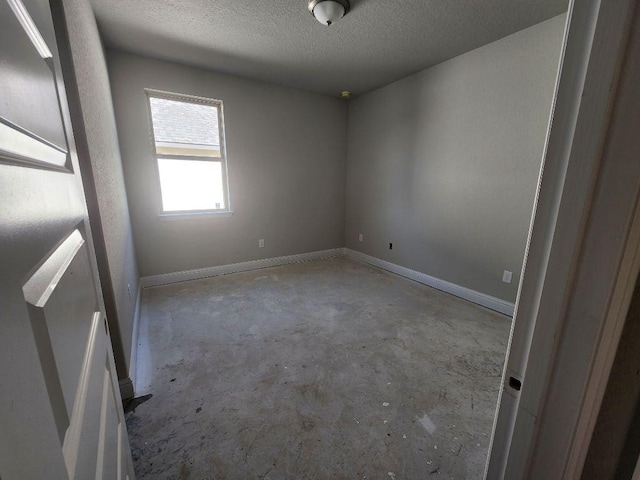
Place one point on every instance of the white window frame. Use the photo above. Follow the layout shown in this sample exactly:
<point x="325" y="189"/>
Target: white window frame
<point x="181" y="97"/>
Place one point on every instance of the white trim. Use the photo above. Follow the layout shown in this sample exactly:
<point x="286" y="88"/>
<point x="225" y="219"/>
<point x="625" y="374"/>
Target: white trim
<point x="565" y="286"/>
<point x="222" y="158"/>
<point x="30" y="28"/>
<point x="126" y="388"/>
<point x="41" y="285"/>
<point x="607" y="348"/>
<point x="19" y="145"/>
<point x="608" y="264"/>
<point x="176" y="277"/>
<point x="72" y="439"/>
<point x="177" y="216"/>
<point x="133" y="357"/>
<point x="465" y="293"/>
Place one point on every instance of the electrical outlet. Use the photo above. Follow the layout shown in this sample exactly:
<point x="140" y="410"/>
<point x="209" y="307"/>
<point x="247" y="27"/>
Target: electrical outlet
<point x="360" y="237"/>
<point x="261" y="243"/>
<point x="507" y="276"/>
<point x="129" y="291"/>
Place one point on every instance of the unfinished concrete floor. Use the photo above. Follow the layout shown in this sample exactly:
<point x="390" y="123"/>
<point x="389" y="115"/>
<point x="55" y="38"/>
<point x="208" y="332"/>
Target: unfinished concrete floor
<point x="319" y="370"/>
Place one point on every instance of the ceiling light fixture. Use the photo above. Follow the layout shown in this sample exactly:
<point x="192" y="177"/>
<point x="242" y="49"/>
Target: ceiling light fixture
<point x="328" y="12"/>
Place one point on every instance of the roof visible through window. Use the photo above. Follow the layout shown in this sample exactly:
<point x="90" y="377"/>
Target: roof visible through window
<point x="178" y="124"/>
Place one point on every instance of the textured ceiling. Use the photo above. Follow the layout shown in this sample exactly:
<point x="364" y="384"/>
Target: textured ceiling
<point x="377" y="42"/>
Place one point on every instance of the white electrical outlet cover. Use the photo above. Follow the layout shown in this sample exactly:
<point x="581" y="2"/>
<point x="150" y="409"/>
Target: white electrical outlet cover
<point x="507" y="276"/>
<point x="360" y="237"/>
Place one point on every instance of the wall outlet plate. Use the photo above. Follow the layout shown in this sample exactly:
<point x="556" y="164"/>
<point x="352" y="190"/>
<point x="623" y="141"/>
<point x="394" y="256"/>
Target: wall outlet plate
<point x="507" y="276"/>
<point x="261" y="243"/>
<point x="360" y="237"/>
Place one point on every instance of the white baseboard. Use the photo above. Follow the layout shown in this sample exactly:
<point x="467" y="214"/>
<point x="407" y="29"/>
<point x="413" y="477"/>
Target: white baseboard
<point x="126" y="388"/>
<point x="166" y="278"/>
<point x="482" y="299"/>
<point x="133" y="357"/>
<point x="474" y="296"/>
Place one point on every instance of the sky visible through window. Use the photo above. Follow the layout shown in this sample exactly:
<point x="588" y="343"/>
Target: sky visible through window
<point x="191" y="185"/>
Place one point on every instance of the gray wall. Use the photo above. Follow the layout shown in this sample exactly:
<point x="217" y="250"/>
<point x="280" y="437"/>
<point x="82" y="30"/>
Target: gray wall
<point x="445" y="163"/>
<point x="98" y="145"/>
<point x="286" y="159"/>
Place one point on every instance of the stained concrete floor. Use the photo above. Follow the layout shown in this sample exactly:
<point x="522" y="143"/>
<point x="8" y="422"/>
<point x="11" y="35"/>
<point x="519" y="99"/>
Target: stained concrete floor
<point x="319" y="370"/>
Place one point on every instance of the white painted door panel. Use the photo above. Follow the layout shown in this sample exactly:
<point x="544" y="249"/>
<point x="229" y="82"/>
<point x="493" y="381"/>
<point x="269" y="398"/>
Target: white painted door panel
<point x="60" y="414"/>
<point x="81" y="443"/>
<point x="109" y="431"/>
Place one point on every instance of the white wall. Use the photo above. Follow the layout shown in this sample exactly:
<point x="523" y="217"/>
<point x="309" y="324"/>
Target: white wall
<point x="286" y="159"/>
<point x="445" y="163"/>
<point x="99" y="154"/>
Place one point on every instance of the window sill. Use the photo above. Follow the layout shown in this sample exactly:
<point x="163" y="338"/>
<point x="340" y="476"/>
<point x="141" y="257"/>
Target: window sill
<point x="168" y="217"/>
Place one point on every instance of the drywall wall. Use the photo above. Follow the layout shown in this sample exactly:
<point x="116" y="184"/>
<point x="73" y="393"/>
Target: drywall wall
<point x="99" y="156"/>
<point x="444" y="164"/>
<point x="286" y="163"/>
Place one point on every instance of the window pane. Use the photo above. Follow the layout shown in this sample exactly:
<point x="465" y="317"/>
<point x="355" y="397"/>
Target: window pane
<point x="191" y="185"/>
<point x="184" y="128"/>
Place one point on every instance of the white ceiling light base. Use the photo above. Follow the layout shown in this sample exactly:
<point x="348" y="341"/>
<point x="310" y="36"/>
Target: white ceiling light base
<point x="328" y="11"/>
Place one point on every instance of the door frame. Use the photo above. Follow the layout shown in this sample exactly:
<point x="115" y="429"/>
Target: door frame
<point x="566" y="309"/>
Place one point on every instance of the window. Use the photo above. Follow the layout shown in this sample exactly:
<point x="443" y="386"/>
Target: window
<point x="189" y="151"/>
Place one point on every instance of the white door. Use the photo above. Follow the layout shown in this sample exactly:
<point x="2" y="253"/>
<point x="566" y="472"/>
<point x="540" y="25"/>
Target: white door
<point x="60" y="410"/>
